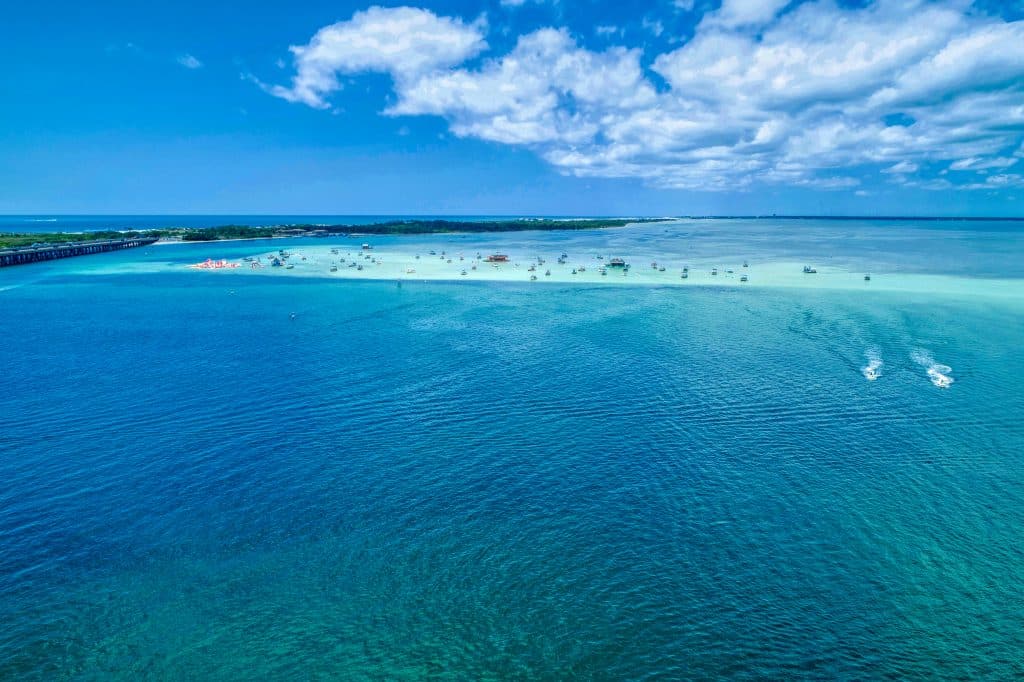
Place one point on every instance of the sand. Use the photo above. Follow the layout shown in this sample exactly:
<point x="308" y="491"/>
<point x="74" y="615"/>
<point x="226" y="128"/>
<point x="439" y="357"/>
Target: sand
<point x="422" y="266"/>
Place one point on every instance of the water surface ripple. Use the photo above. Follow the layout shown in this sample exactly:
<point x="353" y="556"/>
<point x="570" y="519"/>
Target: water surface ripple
<point x="497" y="481"/>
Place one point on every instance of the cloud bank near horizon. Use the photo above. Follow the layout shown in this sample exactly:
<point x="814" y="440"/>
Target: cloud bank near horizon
<point x="765" y="92"/>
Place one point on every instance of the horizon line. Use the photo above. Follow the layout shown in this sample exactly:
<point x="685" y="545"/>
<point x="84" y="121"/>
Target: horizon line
<point x="757" y="216"/>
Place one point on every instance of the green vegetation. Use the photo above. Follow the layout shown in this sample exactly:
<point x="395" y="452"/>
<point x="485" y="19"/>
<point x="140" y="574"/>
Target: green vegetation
<point x="440" y="226"/>
<point x="13" y="240"/>
<point x="224" y="232"/>
<point x="208" y="234"/>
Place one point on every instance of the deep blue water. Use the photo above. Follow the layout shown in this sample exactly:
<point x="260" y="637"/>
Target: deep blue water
<point x="481" y="481"/>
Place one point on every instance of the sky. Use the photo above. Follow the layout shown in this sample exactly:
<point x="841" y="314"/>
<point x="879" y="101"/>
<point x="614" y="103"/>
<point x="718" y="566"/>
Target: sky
<point x="514" y="107"/>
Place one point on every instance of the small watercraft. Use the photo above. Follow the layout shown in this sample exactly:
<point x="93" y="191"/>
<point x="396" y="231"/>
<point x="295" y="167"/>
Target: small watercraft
<point x="808" y="270"/>
<point x="743" y="278"/>
<point x="867" y="278"/>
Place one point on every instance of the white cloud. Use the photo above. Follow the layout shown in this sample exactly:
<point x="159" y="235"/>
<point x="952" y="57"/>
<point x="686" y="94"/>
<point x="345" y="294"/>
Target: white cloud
<point x="189" y="62"/>
<point x="902" y="168"/>
<point x="653" y="26"/>
<point x="997" y="182"/>
<point x="524" y="97"/>
<point x="404" y="41"/>
<point x="740" y="13"/>
<point x="975" y="163"/>
<point x="764" y="92"/>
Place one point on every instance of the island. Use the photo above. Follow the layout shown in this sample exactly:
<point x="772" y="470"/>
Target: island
<point x="12" y="240"/>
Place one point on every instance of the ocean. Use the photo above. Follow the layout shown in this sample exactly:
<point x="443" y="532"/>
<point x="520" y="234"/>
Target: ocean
<point x="223" y="475"/>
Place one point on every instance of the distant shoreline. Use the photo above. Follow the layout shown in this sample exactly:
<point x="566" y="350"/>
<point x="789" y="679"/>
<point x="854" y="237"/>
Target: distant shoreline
<point x="243" y="232"/>
<point x="240" y="232"/>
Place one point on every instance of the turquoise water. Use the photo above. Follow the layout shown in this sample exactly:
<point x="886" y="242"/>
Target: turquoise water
<point x="485" y="480"/>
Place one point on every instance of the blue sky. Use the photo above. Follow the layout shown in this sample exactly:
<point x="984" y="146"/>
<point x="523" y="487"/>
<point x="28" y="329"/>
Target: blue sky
<point x="514" y="107"/>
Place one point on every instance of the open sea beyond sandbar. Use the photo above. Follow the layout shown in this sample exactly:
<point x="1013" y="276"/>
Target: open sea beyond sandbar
<point x="312" y="475"/>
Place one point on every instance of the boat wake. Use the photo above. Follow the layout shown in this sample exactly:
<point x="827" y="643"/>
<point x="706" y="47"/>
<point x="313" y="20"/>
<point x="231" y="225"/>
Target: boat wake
<point x="937" y="372"/>
<point x="873" y="369"/>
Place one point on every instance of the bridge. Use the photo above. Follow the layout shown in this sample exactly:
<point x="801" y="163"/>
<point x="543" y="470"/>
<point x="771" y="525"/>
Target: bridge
<point x="37" y="254"/>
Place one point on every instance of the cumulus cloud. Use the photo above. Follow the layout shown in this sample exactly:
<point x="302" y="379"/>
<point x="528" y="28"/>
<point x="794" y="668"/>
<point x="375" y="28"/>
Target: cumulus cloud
<point x="546" y="90"/>
<point x="766" y="91"/>
<point x="404" y="41"/>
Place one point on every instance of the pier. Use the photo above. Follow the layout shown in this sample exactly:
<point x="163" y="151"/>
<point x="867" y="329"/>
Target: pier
<point x="37" y="254"/>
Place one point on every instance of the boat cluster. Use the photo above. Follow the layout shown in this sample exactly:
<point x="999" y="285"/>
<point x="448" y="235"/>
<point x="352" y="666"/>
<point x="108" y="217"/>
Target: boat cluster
<point x="606" y="265"/>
